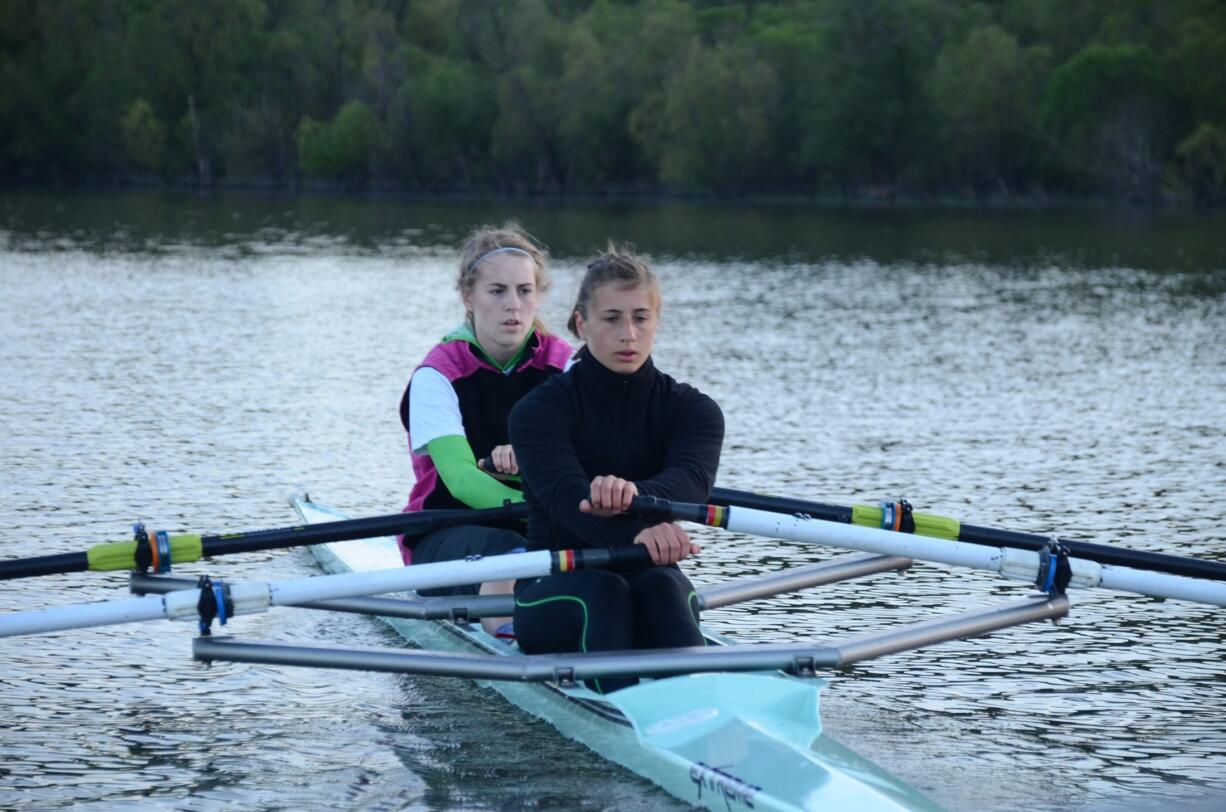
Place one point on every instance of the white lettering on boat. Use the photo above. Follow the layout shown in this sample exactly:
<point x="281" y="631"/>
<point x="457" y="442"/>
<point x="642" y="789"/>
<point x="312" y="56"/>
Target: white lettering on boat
<point x="721" y="782"/>
<point x="684" y="720"/>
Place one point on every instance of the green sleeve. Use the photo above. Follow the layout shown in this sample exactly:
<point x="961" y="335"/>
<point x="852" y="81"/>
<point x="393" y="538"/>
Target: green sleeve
<point x="457" y="467"/>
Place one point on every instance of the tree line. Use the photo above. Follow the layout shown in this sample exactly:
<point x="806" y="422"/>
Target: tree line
<point x="1123" y="99"/>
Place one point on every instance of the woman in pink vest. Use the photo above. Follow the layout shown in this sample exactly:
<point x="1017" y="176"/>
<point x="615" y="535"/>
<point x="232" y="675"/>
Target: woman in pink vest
<point x="458" y="398"/>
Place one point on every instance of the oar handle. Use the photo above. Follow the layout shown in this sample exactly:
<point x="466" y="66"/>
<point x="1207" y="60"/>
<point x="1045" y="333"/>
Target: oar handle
<point x="659" y="509"/>
<point x="601" y="558"/>
<point x="486" y="464"/>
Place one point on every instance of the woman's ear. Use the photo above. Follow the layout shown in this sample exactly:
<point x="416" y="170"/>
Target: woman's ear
<point x="580" y="327"/>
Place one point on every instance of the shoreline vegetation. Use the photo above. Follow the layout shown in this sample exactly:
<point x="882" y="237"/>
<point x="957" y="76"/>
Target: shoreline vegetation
<point x="948" y="103"/>
<point x="902" y="201"/>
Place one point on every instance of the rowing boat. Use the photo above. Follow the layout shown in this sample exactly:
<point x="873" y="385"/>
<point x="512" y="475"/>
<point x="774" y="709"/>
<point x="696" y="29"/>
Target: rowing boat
<point x="719" y="725"/>
<point x="720" y="740"/>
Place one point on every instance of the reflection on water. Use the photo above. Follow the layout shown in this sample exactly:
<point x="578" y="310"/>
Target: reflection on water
<point x="190" y="361"/>
<point x="237" y="225"/>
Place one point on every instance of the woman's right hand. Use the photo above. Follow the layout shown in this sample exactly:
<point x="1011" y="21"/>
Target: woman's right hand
<point x="668" y="543"/>
<point x="503" y="457"/>
<point x="610" y="495"/>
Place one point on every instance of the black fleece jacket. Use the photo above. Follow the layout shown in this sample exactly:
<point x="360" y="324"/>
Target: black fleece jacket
<point x="662" y="435"/>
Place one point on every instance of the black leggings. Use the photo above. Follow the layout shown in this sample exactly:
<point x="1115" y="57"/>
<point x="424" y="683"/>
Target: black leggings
<point x="601" y="610"/>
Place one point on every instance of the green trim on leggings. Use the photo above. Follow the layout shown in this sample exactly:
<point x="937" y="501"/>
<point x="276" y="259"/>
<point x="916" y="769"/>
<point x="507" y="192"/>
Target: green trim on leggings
<point x="692" y="600"/>
<point x="583" y="634"/>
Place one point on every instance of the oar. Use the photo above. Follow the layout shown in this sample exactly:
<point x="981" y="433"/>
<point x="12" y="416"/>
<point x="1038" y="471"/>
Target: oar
<point x="461" y="607"/>
<point x="441" y="607"/>
<point x="223" y="600"/>
<point x="928" y="524"/>
<point x="158" y="549"/>
<point x="1024" y="565"/>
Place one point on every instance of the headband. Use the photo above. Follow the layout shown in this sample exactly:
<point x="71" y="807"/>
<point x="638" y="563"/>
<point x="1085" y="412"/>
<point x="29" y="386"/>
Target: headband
<point x="509" y="249"/>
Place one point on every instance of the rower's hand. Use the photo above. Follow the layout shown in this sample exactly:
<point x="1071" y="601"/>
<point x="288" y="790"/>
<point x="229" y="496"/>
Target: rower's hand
<point x="610" y="496"/>
<point x="503" y="457"/>
<point x="668" y="543"/>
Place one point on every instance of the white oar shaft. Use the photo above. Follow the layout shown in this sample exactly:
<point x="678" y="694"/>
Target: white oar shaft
<point x="419" y="576"/>
<point x="1019" y="565"/>
<point x="252" y="597"/>
<point x="1163" y="585"/>
<point x="247" y="598"/>
<point x="82" y="616"/>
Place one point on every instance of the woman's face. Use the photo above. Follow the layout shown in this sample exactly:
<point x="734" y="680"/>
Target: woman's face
<point x="620" y="326"/>
<point x="503" y="304"/>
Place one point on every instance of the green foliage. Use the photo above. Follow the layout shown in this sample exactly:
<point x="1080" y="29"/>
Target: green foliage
<point x="712" y="126"/>
<point x="596" y="105"/>
<point x="440" y="123"/>
<point x="144" y="136"/>
<point x="1112" y="111"/>
<point x="1197" y="63"/>
<point x="983" y="90"/>
<point x="341" y="149"/>
<point x="524" y="47"/>
<point x="1202" y="163"/>
<point x="866" y="97"/>
<point x="1098" y="80"/>
<point x="863" y="115"/>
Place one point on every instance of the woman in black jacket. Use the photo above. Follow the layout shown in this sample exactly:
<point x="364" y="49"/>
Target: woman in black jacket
<point x="589" y="440"/>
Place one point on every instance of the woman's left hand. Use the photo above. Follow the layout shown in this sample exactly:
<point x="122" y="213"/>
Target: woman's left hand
<point x="668" y="543"/>
<point x="610" y="495"/>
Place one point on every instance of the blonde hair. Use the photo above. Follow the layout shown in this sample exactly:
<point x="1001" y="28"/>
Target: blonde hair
<point x="617" y="265"/>
<point x="481" y="242"/>
<point x="487" y="240"/>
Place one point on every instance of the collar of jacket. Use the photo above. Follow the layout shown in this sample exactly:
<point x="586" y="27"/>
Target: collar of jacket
<point x="591" y="372"/>
<point x="523" y="355"/>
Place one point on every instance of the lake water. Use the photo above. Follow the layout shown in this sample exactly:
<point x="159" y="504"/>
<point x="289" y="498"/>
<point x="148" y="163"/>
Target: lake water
<point x="189" y="361"/>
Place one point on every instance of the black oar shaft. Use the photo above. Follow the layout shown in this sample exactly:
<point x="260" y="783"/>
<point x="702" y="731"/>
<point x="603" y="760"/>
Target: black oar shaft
<point x="350" y="529"/>
<point x="44" y="565"/>
<point x="777" y="504"/>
